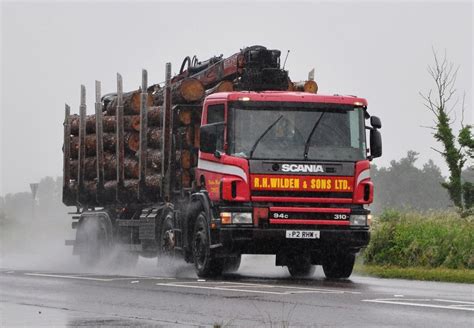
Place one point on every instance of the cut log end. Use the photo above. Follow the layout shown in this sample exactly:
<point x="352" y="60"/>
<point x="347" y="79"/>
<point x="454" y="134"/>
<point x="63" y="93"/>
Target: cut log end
<point x="191" y="90"/>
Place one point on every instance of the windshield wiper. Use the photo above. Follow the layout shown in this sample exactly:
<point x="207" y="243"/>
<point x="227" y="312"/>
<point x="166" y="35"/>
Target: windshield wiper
<point x="263" y="135"/>
<point x="306" y="144"/>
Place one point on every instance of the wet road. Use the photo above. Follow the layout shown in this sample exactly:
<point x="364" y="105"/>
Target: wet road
<point x="67" y="297"/>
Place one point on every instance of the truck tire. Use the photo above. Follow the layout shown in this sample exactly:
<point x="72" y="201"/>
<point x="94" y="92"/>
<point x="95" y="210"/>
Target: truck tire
<point x="93" y="243"/>
<point x="204" y="264"/>
<point x="339" y="265"/>
<point x="167" y="242"/>
<point x="301" y="267"/>
<point x="232" y="264"/>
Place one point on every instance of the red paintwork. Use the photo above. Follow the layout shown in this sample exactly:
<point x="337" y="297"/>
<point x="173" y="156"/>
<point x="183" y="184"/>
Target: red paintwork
<point x="287" y="96"/>
<point x="301" y="183"/>
<point x="310" y="209"/>
<point x="312" y="222"/>
<point x="213" y="179"/>
<point x="300" y="200"/>
<point x="359" y="190"/>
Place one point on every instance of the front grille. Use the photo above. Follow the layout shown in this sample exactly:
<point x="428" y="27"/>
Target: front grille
<point x="305" y="227"/>
<point x="304" y="216"/>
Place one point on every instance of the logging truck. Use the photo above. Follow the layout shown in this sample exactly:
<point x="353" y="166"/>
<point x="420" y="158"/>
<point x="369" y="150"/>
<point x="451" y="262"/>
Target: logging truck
<point x="229" y="157"/>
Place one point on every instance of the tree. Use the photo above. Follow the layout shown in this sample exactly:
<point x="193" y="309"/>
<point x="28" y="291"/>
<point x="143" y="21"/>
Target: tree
<point x="456" y="150"/>
<point x="404" y="186"/>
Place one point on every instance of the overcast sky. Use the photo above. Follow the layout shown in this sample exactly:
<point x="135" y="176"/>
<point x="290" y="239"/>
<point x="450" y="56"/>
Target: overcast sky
<point x="379" y="51"/>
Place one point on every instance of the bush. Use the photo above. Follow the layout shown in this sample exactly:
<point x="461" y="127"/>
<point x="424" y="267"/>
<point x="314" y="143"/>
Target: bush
<point x="432" y="240"/>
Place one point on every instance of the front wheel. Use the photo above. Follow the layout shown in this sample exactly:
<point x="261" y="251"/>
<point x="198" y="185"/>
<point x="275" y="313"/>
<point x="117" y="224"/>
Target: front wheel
<point x="338" y="265"/>
<point x="301" y="267"/>
<point x="232" y="264"/>
<point x="204" y="264"/>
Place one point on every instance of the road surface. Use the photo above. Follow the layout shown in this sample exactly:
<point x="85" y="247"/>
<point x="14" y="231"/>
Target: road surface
<point x="258" y="295"/>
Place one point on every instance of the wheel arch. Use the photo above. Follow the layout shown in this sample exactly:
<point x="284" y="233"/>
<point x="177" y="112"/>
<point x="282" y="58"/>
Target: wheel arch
<point x="199" y="202"/>
<point x="101" y="217"/>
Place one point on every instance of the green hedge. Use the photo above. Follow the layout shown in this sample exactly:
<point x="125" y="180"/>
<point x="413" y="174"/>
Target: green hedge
<point x="431" y="240"/>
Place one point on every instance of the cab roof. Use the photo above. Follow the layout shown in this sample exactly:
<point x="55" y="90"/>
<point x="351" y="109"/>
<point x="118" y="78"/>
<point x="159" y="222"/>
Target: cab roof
<point x="288" y="96"/>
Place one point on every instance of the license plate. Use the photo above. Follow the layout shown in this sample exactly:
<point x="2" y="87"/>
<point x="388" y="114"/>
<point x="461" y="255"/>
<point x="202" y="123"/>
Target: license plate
<point x="302" y="234"/>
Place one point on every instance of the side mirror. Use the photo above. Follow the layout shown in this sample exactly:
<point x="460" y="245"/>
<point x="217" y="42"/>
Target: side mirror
<point x="375" y="143"/>
<point x="211" y="137"/>
<point x="375" y="122"/>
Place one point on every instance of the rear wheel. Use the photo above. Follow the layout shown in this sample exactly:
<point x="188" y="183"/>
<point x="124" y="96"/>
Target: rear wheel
<point x="301" y="267"/>
<point x="339" y="265"/>
<point x="204" y="264"/>
<point x="93" y="243"/>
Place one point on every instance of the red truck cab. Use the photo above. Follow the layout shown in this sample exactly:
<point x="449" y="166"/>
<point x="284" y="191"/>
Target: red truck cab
<point x="288" y="173"/>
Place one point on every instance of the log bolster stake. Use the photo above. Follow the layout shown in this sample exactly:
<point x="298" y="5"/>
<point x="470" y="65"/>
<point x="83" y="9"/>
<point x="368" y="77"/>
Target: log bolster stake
<point x="66" y="156"/>
<point x="143" y="137"/>
<point x="120" y="146"/>
<point x="100" y="145"/>
<point x="82" y="146"/>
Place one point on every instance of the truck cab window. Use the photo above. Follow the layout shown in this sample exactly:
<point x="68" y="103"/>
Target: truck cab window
<point x="216" y="114"/>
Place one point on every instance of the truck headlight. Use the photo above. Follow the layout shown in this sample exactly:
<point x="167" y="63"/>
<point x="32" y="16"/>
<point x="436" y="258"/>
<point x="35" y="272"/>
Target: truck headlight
<point x="236" y="218"/>
<point x="358" y="220"/>
<point x="242" y="218"/>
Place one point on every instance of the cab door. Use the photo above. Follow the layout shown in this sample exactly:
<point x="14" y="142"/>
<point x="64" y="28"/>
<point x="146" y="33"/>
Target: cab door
<point x="210" y="169"/>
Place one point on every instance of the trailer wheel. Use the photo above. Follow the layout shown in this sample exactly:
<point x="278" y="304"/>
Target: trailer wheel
<point x="301" y="267"/>
<point x="205" y="265"/>
<point x="232" y="264"/>
<point x="92" y="237"/>
<point x="338" y="265"/>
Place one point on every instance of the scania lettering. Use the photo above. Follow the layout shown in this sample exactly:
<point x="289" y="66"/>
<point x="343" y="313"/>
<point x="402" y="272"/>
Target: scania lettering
<point x="301" y="168"/>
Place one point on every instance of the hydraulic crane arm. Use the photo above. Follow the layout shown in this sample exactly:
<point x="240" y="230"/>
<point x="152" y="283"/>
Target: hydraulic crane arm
<point x="253" y="68"/>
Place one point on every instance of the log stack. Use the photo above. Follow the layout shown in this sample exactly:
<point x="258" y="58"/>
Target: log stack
<point x="189" y="93"/>
<point x="112" y="171"/>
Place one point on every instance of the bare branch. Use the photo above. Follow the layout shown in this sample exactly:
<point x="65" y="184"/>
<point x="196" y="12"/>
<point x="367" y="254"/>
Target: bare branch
<point x="428" y="127"/>
<point x="438" y="151"/>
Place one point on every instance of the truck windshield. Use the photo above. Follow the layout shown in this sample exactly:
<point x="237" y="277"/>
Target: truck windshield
<point x="296" y="131"/>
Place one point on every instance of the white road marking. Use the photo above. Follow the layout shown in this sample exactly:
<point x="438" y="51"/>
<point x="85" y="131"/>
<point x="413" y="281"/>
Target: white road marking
<point x="65" y="277"/>
<point x="451" y="301"/>
<point x="293" y="287"/>
<point x="81" y="277"/>
<point x="251" y="288"/>
<point x="134" y="282"/>
<point x="222" y="288"/>
<point x="460" y="305"/>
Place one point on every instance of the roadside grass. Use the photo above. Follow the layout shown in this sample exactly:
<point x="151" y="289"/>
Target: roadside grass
<point x="416" y="273"/>
<point x="436" y="246"/>
<point x="415" y="239"/>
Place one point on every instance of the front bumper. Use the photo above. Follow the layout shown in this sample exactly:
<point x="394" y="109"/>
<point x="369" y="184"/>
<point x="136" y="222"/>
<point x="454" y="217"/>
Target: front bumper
<point x="273" y="240"/>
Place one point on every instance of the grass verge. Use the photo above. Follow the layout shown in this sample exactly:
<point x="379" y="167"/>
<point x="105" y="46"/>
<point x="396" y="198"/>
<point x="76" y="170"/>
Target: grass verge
<point x="417" y="273"/>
